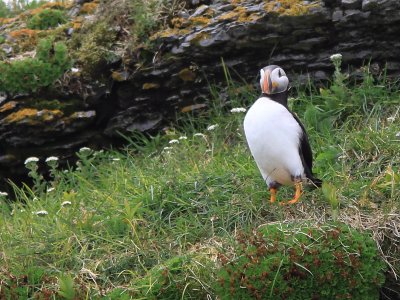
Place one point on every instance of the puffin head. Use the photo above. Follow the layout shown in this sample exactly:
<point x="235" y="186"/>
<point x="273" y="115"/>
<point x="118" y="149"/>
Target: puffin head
<point x="273" y="80"/>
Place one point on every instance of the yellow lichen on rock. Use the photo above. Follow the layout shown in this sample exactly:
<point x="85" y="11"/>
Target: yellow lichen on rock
<point x="289" y="7"/>
<point x="24" y="33"/>
<point x="88" y="8"/>
<point x="8" y="106"/>
<point x="198" y="37"/>
<point x="200" y="20"/>
<point x="168" y="33"/>
<point x="187" y="75"/>
<point x="7" y="20"/>
<point x="240" y="14"/>
<point x="179" y="22"/>
<point x="32" y="116"/>
<point x="77" y="23"/>
<point x="150" y="85"/>
<point x="24" y="113"/>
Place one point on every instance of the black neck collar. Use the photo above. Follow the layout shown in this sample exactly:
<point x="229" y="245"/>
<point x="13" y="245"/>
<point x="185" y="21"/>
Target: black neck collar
<point x="281" y="98"/>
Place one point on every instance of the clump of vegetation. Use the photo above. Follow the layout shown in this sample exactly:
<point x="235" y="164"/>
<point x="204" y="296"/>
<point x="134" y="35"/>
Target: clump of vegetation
<point x="94" y="48"/>
<point x="145" y="17"/>
<point x="47" y="18"/>
<point x="30" y="74"/>
<point x="302" y="262"/>
<point x="170" y="279"/>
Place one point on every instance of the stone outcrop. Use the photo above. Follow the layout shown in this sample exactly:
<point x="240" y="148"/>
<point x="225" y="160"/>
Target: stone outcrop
<point x="243" y="35"/>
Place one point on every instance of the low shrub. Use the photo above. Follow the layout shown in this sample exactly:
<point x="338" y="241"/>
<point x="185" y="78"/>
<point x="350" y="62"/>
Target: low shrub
<point x="29" y="74"/>
<point x="283" y="261"/>
<point x="47" y="18"/>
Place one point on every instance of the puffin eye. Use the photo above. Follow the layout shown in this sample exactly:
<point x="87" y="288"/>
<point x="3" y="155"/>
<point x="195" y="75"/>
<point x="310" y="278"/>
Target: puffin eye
<point x="279" y="73"/>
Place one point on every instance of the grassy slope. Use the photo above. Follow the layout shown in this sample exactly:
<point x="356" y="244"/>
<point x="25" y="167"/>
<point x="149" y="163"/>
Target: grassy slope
<point x="137" y="213"/>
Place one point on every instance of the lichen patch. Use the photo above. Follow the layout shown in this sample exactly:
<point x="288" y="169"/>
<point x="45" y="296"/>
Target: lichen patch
<point x="289" y="7"/>
<point x="32" y="116"/>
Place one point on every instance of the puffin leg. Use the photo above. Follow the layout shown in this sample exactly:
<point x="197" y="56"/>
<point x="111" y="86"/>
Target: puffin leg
<point x="299" y="189"/>
<point x="273" y="191"/>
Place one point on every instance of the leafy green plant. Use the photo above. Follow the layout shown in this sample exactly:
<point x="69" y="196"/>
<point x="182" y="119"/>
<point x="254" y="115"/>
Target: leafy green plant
<point x="30" y="74"/>
<point x="67" y="290"/>
<point x="145" y="16"/>
<point x="169" y="280"/>
<point x="330" y="194"/>
<point x="47" y="18"/>
<point x="283" y="261"/>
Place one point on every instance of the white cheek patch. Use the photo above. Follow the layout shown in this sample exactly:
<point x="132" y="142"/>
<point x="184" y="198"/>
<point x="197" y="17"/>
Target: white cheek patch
<point x="262" y="74"/>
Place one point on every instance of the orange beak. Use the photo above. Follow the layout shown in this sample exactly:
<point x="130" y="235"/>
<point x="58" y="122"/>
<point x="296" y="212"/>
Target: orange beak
<point x="266" y="83"/>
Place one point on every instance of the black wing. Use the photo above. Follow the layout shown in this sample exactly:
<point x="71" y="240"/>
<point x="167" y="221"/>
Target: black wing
<point x="306" y="154"/>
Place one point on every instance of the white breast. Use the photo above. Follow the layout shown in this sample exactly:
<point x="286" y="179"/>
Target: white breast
<point x="273" y="136"/>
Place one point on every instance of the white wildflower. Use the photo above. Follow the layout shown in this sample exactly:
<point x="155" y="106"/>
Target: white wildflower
<point x="183" y="137"/>
<point x="65" y="203"/>
<point x="41" y="213"/>
<point x="212" y="127"/>
<point x="50" y="189"/>
<point x="174" y="142"/>
<point x="398" y="134"/>
<point x="85" y="149"/>
<point x="3" y="194"/>
<point x="74" y="70"/>
<point x="336" y="57"/>
<point x="167" y="148"/>
<point x="238" y="110"/>
<point x="51" y="158"/>
<point x="199" y="134"/>
<point x="31" y="159"/>
<point x="391" y="119"/>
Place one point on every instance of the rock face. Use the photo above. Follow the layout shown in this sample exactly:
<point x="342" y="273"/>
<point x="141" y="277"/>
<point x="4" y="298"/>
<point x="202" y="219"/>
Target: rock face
<point x="300" y="36"/>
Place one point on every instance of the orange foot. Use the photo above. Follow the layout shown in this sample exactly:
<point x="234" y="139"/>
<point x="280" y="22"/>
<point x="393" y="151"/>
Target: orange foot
<point x="297" y="195"/>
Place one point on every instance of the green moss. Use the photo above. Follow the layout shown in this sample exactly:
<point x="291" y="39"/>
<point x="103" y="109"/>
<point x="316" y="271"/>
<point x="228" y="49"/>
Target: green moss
<point x="282" y="261"/>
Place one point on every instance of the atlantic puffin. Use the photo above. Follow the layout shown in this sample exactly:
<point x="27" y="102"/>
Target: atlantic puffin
<point x="277" y="139"/>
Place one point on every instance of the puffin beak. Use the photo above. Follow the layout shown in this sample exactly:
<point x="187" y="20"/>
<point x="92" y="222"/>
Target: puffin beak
<point x="267" y="83"/>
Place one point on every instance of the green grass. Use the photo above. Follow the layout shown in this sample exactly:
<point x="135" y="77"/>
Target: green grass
<point x="148" y="222"/>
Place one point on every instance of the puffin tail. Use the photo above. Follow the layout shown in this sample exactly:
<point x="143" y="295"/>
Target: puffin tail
<point x="315" y="182"/>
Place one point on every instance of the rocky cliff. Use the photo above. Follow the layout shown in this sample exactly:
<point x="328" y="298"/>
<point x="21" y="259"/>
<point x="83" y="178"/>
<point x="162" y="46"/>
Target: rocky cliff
<point x="141" y="87"/>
